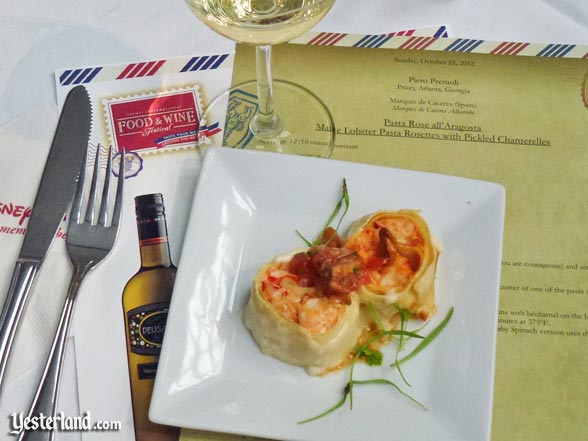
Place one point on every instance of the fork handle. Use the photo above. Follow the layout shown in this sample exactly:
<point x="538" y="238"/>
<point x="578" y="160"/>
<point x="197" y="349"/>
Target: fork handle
<point x="45" y="400"/>
<point x="20" y="286"/>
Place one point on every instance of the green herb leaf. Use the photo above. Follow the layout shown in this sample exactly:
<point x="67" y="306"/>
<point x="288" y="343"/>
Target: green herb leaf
<point x="404" y="317"/>
<point x="390" y="383"/>
<point x="372" y="358"/>
<point x="330" y="410"/>
<point x="344" y="199"/>
<point x="428" y="339"/>
<point x="308" y="242"/>
<point x="365" y="345"/>
<point x="364" y="351"/>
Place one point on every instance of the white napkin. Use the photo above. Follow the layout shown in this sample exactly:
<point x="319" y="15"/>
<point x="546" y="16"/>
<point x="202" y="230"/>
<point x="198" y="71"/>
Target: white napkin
<point x="24" y="145"/>
<point x="23" y="148"/>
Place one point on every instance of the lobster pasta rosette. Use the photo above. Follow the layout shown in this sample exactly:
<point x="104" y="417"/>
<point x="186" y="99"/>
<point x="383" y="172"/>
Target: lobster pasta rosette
<point x="304" y="310"/>
<point x="399" y="259"/>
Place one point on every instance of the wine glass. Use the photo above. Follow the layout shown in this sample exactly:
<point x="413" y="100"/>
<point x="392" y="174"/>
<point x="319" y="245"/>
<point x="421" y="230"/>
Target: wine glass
<point x="268" y="114"/>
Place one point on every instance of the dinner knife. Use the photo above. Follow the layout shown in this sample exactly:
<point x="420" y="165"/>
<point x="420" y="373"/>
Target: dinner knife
<point x="55" y="192"/>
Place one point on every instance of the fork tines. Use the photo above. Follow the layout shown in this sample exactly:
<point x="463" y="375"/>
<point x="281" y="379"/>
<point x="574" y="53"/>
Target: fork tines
<point x="90" y="218"/>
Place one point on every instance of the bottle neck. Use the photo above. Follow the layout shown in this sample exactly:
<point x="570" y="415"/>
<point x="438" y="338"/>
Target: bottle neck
<point x="153" y="242"/>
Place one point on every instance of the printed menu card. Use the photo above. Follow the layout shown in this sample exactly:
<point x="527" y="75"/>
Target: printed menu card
<point x="521" y="121"/>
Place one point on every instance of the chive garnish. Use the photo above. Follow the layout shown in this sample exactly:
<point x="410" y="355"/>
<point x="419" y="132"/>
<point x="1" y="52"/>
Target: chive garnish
<point x="394" y="385"/>
<point x="308" y="242"/>
<point x="347" y="393"/>
<point x="362" y="348"/>
<point x="344" y="199"/>
<point x="429" y="338"/>
<point x="330" y="410"/>
<point x="371" y="355"/>
<point x="404" y="317"/>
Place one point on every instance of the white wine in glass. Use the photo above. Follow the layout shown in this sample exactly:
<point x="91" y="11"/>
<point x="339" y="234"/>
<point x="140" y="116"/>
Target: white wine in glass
<point x="286" y="115"/>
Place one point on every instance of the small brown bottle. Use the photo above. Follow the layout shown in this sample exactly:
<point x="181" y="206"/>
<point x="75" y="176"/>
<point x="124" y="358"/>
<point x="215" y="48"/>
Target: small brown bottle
<point x="145" y="301"/>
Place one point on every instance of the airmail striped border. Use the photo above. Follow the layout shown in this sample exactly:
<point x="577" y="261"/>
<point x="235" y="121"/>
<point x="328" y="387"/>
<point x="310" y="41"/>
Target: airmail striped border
<point x="440" y="42"/>
<point x="333" y="39"/>
<point x="73" y="77"/>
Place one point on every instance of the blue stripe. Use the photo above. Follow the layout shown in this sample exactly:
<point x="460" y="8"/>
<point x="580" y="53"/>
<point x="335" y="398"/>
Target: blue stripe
<point x="371" y="41"/>
<point x="92" y="75"/>
<point x="189" y="64"/>
<point x="564" y="50"/>
<point x="199" y="63"/>
<point x="210" y="127"/>
<point x="474" y="44"/>
<point x="209" y="62"/>
<point x="219" y="61"/>
<point x="380" y="41"/>
<point x="363" y="40"/>
<point x="83" y="75"/>
<point x="464" y="45"/>
<point x="73" y="75"/>
<point x="454" y="44"/>
<point x="555" y="52"/>
<point x="64" y="76"/>
<point x="442" y="32"/>
<point x="545" y="50"/>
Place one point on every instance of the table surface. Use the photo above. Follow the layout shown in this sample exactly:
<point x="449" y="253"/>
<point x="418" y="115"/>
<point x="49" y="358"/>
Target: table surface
<point x="38" y="37"/>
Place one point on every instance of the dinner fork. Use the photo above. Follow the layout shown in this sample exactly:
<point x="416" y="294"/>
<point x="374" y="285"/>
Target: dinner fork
<point x="89" y="240"/>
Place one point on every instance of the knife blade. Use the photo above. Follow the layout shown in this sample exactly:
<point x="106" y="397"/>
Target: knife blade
<point x="54" y="194"/>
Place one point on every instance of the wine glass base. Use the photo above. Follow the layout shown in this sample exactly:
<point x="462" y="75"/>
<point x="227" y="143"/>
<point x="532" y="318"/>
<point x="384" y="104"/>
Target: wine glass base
<point x="305" y="125"/>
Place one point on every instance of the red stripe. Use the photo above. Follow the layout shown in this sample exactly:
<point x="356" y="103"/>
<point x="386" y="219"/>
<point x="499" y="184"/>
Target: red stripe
<point x="428" y="43"/>
<point x="500" y="48"/>
<point x="330" y="39"/>
<point x="410" y="32"/>
<point x="518" y="48"/>
<point x="325" y="38"/>
<point x="146" y="69"/>
<point x="337" y="39"/>
<point x="156" y="68"/>
<point x="125" y="71"/>
<point x="134" y="72"/>
<point x="316" y="38"/>
<point x="410" y="42"/>
<point x="423" y="43"/>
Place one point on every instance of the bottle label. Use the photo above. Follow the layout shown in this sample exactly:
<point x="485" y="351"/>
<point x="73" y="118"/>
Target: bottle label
<point x="146" y="328"/>
<point x="146" y="371"/>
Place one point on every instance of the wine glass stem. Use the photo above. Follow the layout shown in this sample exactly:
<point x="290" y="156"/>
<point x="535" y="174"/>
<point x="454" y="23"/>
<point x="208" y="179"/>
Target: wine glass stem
<point x="265" y="123"/>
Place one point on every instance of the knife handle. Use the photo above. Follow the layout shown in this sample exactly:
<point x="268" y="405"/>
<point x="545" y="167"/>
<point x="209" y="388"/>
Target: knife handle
<point x="20" y="286"/>
<point x="45" y="400"/>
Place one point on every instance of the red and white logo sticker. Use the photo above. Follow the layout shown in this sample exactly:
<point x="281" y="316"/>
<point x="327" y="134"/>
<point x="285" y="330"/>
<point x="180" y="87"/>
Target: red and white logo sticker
<point x="161" y="120"/>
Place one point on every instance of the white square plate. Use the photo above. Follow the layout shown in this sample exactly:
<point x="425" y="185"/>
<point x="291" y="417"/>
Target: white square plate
<point x="246" y="208"/>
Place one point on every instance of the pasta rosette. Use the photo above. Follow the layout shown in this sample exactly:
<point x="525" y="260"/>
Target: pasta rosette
<point x="399" y="259"/>
<point x="311" y="307"/>
<point x="303" y="317"/>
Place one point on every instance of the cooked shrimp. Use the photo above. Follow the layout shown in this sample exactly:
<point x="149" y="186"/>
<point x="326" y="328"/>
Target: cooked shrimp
<point x="303" y="305"/>
<point x="403" y="229"/>
<point x="390" y="248"/>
